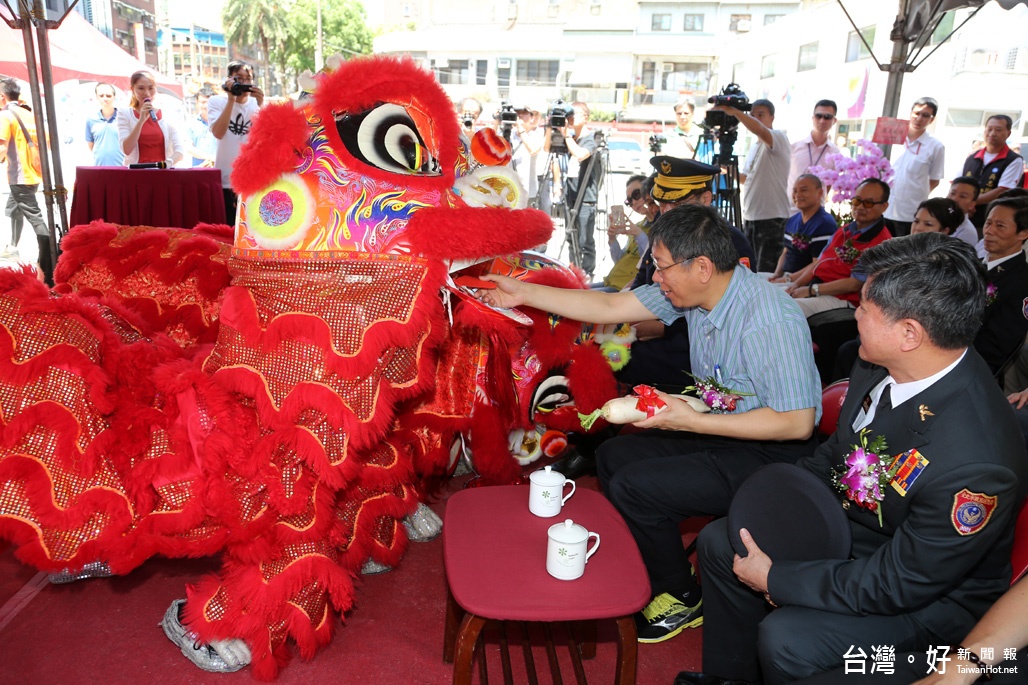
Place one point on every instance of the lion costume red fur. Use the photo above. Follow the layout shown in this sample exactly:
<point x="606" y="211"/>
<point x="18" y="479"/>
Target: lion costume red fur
<point x="280" y="393"/>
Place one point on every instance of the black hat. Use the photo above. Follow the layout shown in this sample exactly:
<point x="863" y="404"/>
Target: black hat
<point x="792" y="515"/>
<point x="678" y="177"/>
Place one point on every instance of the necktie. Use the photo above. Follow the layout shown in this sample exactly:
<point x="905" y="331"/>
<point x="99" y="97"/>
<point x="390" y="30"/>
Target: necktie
<point x="885" y="400"/>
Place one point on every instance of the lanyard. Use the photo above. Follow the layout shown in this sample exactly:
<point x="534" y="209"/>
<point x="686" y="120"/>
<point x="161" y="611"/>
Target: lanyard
<point x="810" y="155"/>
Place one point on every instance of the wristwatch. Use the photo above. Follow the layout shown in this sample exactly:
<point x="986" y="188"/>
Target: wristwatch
<point x="815" y="289"/>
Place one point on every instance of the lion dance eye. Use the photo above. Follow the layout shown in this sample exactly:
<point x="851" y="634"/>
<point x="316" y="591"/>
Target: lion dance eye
<point x="386" y="137"/>
<point x="278" y="216"/>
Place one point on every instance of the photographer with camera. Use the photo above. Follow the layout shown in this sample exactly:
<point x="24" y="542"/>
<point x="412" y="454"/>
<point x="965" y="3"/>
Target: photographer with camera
<point x="231" y="116"/>
<point x="526" y="141"/>
<point x="567" y="133"/>
<point x="467" y="114"/>
<point x="765" y="199"/>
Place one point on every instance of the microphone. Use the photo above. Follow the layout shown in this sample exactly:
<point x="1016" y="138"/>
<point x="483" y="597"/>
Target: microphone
<point x="153" y="113"/>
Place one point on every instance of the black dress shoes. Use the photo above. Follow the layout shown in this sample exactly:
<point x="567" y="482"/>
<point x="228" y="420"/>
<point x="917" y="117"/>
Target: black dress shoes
<point x="574" y="464"/>
<point x="690" y="678"/>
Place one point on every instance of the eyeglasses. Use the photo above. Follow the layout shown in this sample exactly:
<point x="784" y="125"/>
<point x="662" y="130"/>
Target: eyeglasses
<point x="659" y="269"/>
<point x="826" y="117"/>
<point x="867" y="203"/>
<point x="633" y="196"/>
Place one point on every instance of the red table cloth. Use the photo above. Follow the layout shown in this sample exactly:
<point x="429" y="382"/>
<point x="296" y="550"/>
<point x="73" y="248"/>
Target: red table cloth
<point x="495" y="555"/>
<point x="180" y="198"/>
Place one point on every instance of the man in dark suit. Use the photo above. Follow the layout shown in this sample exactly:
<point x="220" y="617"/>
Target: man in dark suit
<point x="941" y="554"/>
<point x="1006" y="313"/>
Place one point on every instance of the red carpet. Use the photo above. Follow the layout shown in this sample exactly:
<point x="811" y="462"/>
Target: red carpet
<point x="106" y="631"/>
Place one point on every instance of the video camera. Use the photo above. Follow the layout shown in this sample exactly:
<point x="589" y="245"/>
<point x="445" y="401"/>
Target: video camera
<point x="507" y="116"/>
<point x="238" y="88"/>
<point x="732" y="96"/>
<point x="559" y="113"/>
<point x="656" y="141"/>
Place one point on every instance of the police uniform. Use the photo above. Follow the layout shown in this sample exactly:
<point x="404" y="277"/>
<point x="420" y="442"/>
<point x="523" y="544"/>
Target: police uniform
<point x="938" y="562"/>
<point x="1006" y="316"/>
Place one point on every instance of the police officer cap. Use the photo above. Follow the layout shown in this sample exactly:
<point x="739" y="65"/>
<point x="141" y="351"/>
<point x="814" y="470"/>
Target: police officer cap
<point x="792" y="515"/>
<point x="678" y="177"/>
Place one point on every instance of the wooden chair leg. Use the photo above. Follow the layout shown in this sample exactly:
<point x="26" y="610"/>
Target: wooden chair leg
<point x="576" y="655"/>
<point x="467" y="639"/>
<point x="628" y="651"/>
<point x="526" y="648"/>
<point x="454" y="614"/>
<point x="508" y="677"/>
<point x="551" y="655"/>
<point x="586" y="633"/>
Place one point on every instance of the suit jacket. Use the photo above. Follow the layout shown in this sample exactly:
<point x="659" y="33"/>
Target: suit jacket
<point x="1005" y="324"/>
<point x="918" y="562"/>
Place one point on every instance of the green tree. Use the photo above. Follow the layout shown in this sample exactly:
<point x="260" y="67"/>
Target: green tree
<point x="256" y="22"/>
<point x="343" y="26"/>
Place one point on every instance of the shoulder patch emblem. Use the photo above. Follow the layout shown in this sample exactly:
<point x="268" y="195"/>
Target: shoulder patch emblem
<point x="972" y="510"/>
<point x="1024" y="307"/>
<point x="910" y="466"/>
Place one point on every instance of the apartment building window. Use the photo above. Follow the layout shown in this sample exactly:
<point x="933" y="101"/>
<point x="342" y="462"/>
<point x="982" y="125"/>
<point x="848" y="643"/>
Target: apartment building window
<point x="943" y="30"/>
<point x="480" y="71"/>
<point x="537" y="72"/>
<point x="454" y="73"/>
<point x="767" y="66"/>
<point x="808" y="57"/>
<point x="855" y="48"/>
<point x="772" y="18"/>
<point x="740" y="22"/>
<point x="685" y="76"/>
<point x="693" y="22"/>
<point x="737" y="70"/>
<point x="661" y="22"/>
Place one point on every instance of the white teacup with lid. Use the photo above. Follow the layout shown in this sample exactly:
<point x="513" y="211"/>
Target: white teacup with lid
<point x="567" y="549"/>
<point x="546" y="492"/>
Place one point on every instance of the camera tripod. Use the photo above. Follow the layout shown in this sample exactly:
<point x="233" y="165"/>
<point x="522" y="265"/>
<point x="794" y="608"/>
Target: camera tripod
<point x="716" y="148"/>
<point x="569" y="213"/>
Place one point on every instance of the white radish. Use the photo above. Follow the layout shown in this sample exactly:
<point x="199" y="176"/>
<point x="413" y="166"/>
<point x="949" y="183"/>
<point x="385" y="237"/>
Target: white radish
<point x="622" y="410"/>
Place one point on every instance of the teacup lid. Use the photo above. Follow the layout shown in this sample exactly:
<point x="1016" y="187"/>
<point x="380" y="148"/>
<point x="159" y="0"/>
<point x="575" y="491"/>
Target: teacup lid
<point x="547" y="476"/>
<point x="568" y="532"/>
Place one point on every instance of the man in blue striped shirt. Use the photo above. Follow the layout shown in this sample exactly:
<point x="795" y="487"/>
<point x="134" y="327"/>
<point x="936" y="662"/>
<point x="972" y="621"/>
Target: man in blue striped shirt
<point x="742" y="330"/>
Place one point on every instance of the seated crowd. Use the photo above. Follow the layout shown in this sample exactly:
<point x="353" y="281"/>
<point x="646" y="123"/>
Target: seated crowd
<point x="938" y="325"/>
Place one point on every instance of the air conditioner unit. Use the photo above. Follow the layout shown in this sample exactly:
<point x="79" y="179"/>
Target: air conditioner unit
<point x="667" y="67"/>
<point x="743" y="25"/>
<point x="503" y="62"/>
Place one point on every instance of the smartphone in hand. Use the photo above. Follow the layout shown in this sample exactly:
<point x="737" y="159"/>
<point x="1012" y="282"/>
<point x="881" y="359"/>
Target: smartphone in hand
<point x="618" y="218"/>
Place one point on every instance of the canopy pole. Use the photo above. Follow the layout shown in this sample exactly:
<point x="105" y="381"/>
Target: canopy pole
<point x="25" y="24"/>
<point x="60" y="193"/>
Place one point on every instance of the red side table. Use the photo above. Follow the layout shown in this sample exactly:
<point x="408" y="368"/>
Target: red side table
<point x="494" y="550"/>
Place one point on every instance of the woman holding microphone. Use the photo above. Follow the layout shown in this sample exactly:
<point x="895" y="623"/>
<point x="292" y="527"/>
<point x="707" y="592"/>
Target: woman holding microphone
<point x="145" y="135"/>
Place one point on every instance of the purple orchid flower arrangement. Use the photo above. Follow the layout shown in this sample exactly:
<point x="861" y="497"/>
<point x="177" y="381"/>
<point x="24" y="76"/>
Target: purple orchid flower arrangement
<point x="849" y="172"/>
<point x="991" y="291"/>
<point x="865" y="473"/>
<point x="720" y="399"/>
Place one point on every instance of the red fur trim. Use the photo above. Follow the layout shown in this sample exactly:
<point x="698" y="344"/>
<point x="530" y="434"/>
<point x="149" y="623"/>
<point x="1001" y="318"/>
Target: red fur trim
<point x="474" y="233"/>
<point x="278" y="135"/>
<point x="489" y="448"/>
<point x="362" y="83"/>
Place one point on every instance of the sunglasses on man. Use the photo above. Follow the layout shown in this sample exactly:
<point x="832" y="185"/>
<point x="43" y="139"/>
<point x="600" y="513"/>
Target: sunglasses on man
<point x="825" y="117"/>
<point x="633" y="196"/>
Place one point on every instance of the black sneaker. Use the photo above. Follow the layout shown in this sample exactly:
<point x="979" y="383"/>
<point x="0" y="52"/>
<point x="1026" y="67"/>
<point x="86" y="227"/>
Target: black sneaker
<point x="667" y="615"/>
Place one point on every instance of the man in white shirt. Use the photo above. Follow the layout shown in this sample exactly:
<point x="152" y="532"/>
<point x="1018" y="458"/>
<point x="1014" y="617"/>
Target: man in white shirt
<point x="684" y="138"/>
<point x="765" y="197"/>
<point x="996" y="167"/>
<point x="918" y="169"/>
<point x="230" y="116"/>
<point x="817" y="148"/>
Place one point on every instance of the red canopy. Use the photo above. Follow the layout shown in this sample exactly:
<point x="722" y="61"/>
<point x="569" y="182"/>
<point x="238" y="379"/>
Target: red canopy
<point x="78" y="52"/>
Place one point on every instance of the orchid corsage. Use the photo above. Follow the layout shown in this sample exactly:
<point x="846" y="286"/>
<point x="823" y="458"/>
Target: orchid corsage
<point x="846" y="252"/>
<point x="991" y="291"/>
<point x="720" y="399"/>
<point x="865" y="473"/>
<point x="801" y="241"/>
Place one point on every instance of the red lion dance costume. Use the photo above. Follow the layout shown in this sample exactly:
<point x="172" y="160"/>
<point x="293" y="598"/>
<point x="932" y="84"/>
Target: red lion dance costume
<point x="279" y="396"/>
